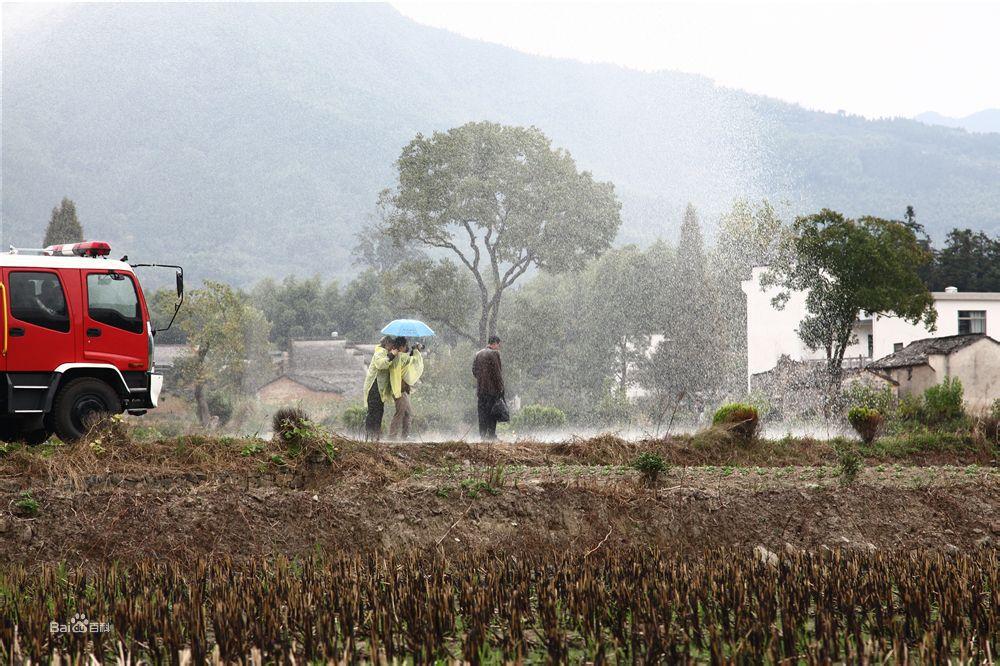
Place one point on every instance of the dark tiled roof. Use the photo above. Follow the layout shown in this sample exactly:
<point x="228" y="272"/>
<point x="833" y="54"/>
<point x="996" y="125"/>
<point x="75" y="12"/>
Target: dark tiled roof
<point x="332" y="366"/>
<point x="332" y="362"/>
<point x="314" y="383"/>
<point x="918" y="351"/>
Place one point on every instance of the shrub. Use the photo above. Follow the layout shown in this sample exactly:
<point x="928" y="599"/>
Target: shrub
<point x="867" y="422"/>
<point x="614" y="409"/>
<point x="861" y="394"/>
<point x="297" y="432"/>
<point x="108" y="431"/>
<point x="740" y="419"/>
<point x="649" y="465"/>
<point x="353" y="419"/>
<point x="989" y="423"/>
<point x="988" y="426"/>
<point x="849" y="463"/>
<point x="287" y="420"/>
<point x="220" y="405"/>
<point x="911" y="408"/>
<point x="943" y="402"/>
<point x="534" y="418"/>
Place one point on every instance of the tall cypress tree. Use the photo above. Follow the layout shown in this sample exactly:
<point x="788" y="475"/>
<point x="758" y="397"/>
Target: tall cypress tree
<point x="63" y="225"/>
<point x="749" y="235"/>
<point x="689" y="360"/>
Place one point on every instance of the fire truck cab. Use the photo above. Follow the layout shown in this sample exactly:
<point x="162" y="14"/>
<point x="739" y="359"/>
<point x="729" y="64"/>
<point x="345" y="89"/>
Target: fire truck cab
<point x="77" y="341"/>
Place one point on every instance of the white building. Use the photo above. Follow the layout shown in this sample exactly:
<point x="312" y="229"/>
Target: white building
<point x="772" y="333"/>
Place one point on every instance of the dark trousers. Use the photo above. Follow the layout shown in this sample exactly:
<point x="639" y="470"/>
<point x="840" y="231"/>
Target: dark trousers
<point x="487" y="422"/>
<point x="376" y="408"/>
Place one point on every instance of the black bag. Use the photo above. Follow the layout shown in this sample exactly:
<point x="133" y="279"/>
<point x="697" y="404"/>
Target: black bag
<point x="500" y="411"/>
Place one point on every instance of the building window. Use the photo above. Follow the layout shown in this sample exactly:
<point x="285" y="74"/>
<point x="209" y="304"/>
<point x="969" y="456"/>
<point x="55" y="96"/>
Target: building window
<point x="871" y="346"/>
<point x="971" y="321"/>
<point x="898" y="346"/>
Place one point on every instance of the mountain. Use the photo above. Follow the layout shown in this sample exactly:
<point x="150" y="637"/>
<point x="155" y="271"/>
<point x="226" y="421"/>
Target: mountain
<point x="248" y="140"/>
<point x="987" y="120"/>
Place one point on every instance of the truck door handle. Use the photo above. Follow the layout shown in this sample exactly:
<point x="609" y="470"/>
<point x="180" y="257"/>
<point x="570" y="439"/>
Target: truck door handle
<point x="16" y="332"/>
<point x="93" y="332"/>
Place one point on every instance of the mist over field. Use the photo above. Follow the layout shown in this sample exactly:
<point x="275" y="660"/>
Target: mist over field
<point x="253" y="140"/>
<point x="488" y="357"/>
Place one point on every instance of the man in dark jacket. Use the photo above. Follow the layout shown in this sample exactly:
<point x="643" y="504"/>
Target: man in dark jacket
<point x="488" y="372"/>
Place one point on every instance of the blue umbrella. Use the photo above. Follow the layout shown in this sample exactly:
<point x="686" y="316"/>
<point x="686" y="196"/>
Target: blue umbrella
<point x="410" y="328"/>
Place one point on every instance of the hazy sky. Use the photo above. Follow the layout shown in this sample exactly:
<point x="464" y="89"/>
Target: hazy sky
<point x="871" y="58"/>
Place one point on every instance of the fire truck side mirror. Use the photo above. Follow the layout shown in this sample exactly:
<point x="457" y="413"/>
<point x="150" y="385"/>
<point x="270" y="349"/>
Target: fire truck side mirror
<point x="180" y="285"/>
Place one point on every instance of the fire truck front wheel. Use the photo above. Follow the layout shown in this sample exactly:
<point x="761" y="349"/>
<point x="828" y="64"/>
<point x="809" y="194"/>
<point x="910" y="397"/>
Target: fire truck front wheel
<point x="78" y="403"/>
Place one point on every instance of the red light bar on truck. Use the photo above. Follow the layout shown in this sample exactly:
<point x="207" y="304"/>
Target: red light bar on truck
<point x="85" y="249"/>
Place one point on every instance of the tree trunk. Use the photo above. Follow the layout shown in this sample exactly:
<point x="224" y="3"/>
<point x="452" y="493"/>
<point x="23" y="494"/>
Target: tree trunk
<point x="623" y="373"/>
<point x="483" y="328"/>
<point x="201" y="402"/>
<point x="488" y="322"/>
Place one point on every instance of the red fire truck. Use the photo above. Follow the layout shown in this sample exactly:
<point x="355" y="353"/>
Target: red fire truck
<point x="77" y="340"/>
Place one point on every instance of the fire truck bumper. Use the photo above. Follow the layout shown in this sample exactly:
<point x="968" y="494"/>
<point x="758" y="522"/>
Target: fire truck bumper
<point x="148" y="398"/>
<point x="155" y="386"/>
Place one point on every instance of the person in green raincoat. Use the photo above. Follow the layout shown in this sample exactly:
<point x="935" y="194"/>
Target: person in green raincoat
<point x="404" y="373"/>
<point x="378" y="389"/>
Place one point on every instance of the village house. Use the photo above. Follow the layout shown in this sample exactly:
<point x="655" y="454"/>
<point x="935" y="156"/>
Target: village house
<point x="973" y="359"/>
<point x="320" y="371"/>
<point x="773" y="333"/>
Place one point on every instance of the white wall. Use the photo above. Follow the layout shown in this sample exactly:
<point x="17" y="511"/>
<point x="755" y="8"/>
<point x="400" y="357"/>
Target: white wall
<point x="891" y="330"/>
<point x="772" y="333"/>
<point x="978" y="366"/>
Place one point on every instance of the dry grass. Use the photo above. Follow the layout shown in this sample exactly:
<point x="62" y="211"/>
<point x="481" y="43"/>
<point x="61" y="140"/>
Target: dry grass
<point x="604" y="449"/>
<point x="604" y="605"/>
<point x="112" y="448"/>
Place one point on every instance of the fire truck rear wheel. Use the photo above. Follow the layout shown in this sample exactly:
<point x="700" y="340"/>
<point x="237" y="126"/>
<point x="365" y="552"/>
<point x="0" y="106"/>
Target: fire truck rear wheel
<point x="12" y="431"/>
<point x="78" y="403"/>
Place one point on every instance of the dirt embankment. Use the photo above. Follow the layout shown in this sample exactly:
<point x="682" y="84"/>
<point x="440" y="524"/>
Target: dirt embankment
<point x="101" y="506"/>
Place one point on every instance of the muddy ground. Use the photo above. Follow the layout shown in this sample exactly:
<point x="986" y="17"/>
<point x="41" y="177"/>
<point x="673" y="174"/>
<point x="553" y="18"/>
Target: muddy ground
<point x="105" y="507"/>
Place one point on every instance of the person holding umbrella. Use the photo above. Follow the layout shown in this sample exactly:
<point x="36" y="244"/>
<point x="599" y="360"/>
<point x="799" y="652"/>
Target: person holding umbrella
<point x="404" y="373"/>
<point x="384" y="381"/>
<point x="378" y="389"/>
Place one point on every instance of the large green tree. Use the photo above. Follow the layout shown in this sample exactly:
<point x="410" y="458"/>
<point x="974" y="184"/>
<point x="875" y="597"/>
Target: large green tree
<point x="579" y="337"/>
<point x="494" y="201"/>
<point x="849" y="267"/>
<point x="629" y="298"/>
<point x="228" y="338"/>
<point x="63" y="227"/>
<point x="298" y="308"/>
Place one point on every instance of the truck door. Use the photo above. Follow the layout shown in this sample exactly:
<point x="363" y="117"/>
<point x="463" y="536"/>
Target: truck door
<point x="40" y="334"/>
<point x="4" y="319"/>
<point x="114" y="325"/>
